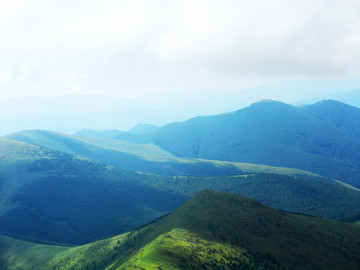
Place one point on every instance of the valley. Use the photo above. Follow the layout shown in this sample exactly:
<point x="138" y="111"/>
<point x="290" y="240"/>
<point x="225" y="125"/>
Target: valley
<point x="81" y="201"/>
<point x="180" y="135"/>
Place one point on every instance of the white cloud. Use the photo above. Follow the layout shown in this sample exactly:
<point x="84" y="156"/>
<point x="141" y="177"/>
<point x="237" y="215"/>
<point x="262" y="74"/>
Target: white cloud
<point x="5" y="77"/>
<point x="128" y="48"/>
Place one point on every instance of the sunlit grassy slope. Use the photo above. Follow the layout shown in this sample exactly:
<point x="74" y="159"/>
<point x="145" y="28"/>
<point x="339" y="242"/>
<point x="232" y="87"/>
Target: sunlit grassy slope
<point x="185" y="250"/>
<point x="141" y="157"/>
<point x="213" y="230"/>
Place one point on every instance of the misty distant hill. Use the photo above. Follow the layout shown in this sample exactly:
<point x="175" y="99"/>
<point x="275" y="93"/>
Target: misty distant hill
<point x="322" y="138"/>
<point x="142" y="129"/>
<point x="71" y="113"/>
<point x="99" y="133"/>
<point x="114" y="133"/>
<point x="338" y="114"/>
<point x="351" y="97"/>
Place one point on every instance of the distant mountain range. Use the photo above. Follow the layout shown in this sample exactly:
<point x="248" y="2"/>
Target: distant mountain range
<point x="139" y="129"/>
<point x="322" y="138"/>
<point x="213" y="230"/>
<point x="71" y="113"/>
<point x="349" y="97"/>
<point x="337" y="114"/>
<point x="110" y="133"/>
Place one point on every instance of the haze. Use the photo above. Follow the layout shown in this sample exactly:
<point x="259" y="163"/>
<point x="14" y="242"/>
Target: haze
<point x="129" y="48"/>
<point x="182" y="51"/>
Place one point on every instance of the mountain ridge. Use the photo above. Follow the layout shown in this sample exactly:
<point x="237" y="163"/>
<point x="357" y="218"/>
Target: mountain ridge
<point x="214" y="230"/>
<point x="271" y="133"/>
<point x="133" y="156"/>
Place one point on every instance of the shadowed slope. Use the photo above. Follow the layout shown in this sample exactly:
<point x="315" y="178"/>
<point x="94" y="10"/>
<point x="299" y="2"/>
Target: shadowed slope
<point x="52" y="196"/>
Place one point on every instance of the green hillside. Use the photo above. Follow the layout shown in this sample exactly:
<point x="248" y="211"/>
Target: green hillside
<point x="213" y="230"/>
<point x="48" y="195"/>
<point x="271" y="133"/>
<point x="105" y="150"/>
<point x="140" y="157"/>
<point x="313" y="196"/>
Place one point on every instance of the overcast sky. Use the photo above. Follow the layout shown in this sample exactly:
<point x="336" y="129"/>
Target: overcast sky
<point x="132" y="48"/>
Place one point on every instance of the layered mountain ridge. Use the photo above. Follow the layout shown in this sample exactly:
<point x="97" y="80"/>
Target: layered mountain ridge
<point x="272" y="133"/>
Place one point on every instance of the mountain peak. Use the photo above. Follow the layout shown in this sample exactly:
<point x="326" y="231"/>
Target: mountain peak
<point x="330" y="102"/>
<point x="267" y="101"/>
<point x="270" y="103"/>
<point x="141" y="128"/>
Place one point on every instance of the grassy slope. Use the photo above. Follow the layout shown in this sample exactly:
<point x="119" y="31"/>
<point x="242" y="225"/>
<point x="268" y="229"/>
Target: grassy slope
<point x="51" y="196"/>
<point x="146" y="158"/>
<point x="46" y="181"/>
<point x="185" y="250"/>
<point x="17" y="254"/>
<point x="271" y="239"/>
<point x="217" y="229"/>
<point x="112" y="152"/>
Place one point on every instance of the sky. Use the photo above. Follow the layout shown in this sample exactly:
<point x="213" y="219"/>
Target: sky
<point x="135" y="48"/>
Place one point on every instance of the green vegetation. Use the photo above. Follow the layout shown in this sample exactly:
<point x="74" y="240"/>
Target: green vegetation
<point x="313" y="196"/>
<point x="212" y="230"/>
<point x="141" y="157"/>
<point x="17" y="254"/>
<point x="181" y="249"/>
<point x="58" y="190"/>
<point x="50" y="196"/>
